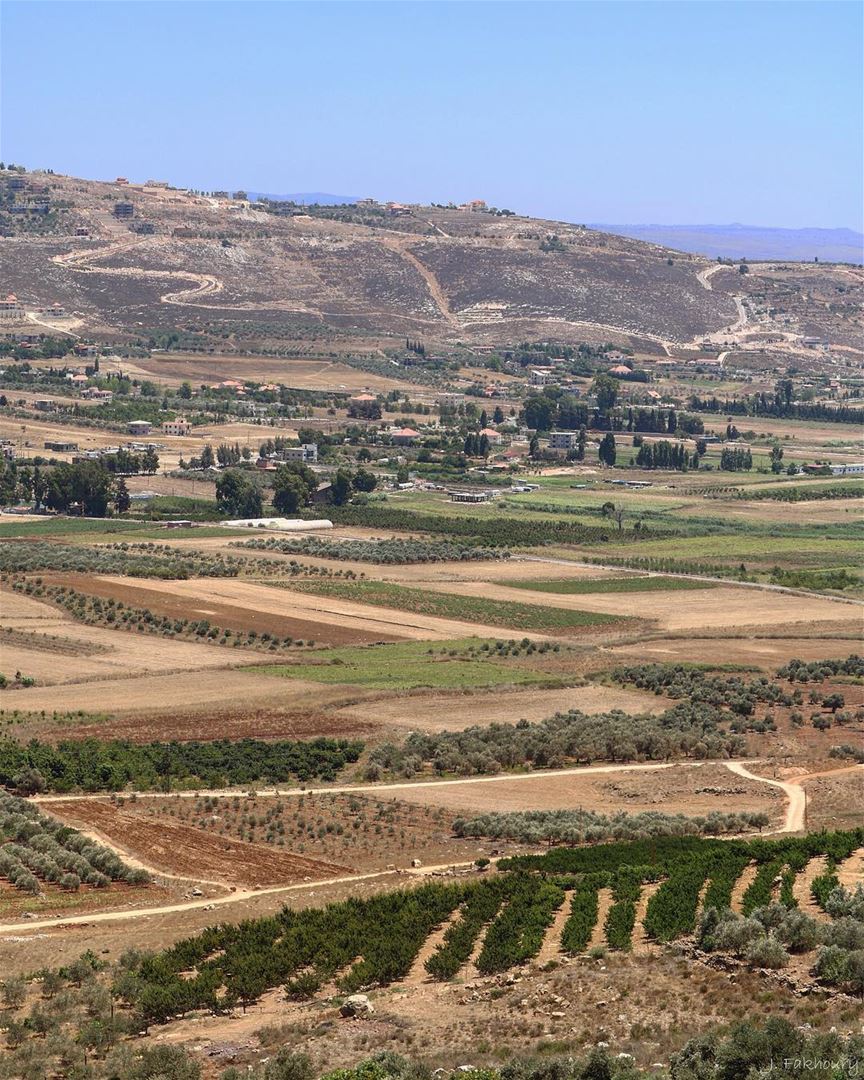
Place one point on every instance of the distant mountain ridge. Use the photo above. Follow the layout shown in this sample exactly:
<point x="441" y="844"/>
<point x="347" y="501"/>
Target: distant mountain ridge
<point x="319" y="198"/>
<point x="751" y="241"/>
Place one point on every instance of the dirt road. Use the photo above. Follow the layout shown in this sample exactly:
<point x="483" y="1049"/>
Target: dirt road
<point x="186" y="905"/>
<point x="589" y="770"/>
<point x="796" y="814"/>
<point x="797" y="809"/>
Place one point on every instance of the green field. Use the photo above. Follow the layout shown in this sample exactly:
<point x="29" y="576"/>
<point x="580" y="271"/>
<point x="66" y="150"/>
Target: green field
<point x="411" y="665"/>
<point x="824" y="548"/>
<point x="505" y="613"/>
<point x="608" y="585"/>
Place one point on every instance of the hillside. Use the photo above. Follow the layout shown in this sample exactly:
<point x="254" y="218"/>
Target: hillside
<point x="271" y="275"/>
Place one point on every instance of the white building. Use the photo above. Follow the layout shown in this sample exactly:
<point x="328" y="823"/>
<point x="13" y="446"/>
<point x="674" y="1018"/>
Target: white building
<point x="563" y="440"/>
<point x="847" y="470"/>
<point x="307" y="453"/>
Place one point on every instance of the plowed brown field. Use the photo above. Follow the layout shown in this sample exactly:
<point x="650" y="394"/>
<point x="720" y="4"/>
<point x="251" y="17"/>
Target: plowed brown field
<point x="183" y="850"/>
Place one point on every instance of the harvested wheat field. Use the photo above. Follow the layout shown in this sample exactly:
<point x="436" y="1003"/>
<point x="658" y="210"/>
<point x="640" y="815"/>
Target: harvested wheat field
<point x="683" y="609"/>
<point x="203" y="696"/>
<point x="186" y="851"/>
<point x="330" y="616"/>
<point x="681" y="788"/>
<point x="103" y="653"/>
<point x="165" y="598"/>
<point x="173" y="369"/>
<point x="448" y="712"/>
<point x="768" y="649"/>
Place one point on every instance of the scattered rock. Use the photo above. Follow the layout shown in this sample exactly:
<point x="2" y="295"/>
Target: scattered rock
<point x="356" y="1006"/>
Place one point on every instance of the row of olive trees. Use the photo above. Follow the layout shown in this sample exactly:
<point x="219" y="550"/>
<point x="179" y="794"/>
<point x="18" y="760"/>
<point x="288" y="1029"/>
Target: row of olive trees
<point x="588" y="826"/>
<point x="39" y="848"/>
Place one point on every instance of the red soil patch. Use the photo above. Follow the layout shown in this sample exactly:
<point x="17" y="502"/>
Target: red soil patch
<point x="183" y="850"/>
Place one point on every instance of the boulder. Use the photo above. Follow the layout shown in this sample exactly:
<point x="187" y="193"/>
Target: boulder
<point x="356" y="1006"/>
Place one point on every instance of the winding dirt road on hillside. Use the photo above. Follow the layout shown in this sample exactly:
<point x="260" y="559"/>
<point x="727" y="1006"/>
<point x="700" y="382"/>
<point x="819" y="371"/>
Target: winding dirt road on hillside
<point x="84" y="261"/>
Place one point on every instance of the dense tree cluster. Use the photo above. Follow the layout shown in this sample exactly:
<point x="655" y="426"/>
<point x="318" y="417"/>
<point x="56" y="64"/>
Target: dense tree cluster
<point x="819" y="670"/>
<point x="663" y="454"/>
<point x="699" y="686"/>
<point x="129" y="463"/>
<point x="88" y="488"/>
<point x="551" y="410"/>
<point x="113" y="764"/>
<point x="685" y="730"/>
<point x="736" y="459"/>
<point x="238" y="494"/>
<point x="778" y="406"/>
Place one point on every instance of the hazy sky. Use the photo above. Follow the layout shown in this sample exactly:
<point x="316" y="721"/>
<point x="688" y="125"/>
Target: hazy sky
<point x="687" y="112"/>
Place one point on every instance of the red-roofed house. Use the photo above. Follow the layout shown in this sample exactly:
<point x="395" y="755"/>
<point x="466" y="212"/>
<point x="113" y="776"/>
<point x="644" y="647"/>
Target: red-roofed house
<point x="405" y="436"/>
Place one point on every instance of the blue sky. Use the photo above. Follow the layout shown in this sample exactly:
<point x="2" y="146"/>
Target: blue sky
<point x="687" y="112"/>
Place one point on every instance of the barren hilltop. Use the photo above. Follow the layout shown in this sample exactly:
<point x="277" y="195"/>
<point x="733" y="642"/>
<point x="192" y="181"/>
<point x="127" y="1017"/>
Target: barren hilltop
<point x="131" y="259"/>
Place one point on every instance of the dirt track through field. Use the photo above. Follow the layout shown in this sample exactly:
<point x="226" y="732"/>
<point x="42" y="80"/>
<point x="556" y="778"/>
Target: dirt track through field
<point x="551" y="947"/>
<point x="745" y="880"/>
<point x="643" y="944"/>
<point x="801" y="887"/>
<point x="605" y="900"/>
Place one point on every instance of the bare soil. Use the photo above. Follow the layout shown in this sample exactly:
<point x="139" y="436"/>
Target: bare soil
<point x="449" y="712"/>
<point x="682" y="609"/>
<point x="190" y="852"/>
<point x="690" y="789"/>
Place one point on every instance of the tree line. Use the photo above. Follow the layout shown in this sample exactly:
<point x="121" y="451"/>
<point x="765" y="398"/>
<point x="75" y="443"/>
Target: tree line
<point x="115" y="764"/>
